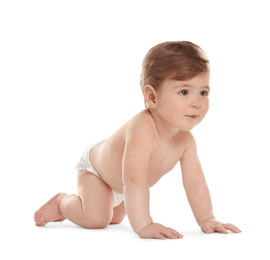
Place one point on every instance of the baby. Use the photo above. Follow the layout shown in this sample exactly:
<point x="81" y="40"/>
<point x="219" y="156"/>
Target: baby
<point x="114" y="176"/>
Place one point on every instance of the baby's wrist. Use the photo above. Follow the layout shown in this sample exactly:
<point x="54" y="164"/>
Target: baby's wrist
<point x="205" y="220"/>
<point x="142" y="229"/>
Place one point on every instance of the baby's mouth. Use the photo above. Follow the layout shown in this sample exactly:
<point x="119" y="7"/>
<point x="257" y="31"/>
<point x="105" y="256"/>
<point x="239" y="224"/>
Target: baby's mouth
<point x="193" y="117"/>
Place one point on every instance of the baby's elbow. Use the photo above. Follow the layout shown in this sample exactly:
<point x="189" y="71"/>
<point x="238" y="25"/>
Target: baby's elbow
<point x="194" y="184"/>
<point x="130" y="182"/>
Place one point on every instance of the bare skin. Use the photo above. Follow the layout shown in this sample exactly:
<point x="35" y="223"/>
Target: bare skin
<point x="50" y="211"/>
<point x="135" y="157"/>
<point x="78" y="208"/>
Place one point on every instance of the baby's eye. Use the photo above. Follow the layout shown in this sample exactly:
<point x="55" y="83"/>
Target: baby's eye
<point x="204" y="93"/>
<point x="183" y="92"/>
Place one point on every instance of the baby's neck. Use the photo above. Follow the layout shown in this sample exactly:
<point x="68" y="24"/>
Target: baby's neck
<point x="164" y="131"/>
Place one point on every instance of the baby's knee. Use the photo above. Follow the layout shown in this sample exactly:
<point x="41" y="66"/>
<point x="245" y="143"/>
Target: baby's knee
<point x="116" y="221"/>
<point x="93" y="221"/>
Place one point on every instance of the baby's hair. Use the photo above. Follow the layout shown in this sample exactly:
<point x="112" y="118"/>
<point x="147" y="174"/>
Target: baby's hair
<point x="178" y="60"/>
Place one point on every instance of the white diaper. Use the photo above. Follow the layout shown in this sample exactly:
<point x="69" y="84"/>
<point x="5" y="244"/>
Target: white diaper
<point x="85" y="163"/>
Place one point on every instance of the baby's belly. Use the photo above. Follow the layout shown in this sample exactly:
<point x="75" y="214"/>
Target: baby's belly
<point x="110" y="172"/>
<point x="113" y="179"/>
<point x="109" y="166"/>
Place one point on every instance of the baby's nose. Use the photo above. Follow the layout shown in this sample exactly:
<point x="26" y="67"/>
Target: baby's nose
<point x="196" y="103"/>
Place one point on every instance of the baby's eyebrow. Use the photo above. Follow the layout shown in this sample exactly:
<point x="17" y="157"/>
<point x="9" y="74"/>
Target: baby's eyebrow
<point x="189" y="86"/>
<point x="182" y="86"/>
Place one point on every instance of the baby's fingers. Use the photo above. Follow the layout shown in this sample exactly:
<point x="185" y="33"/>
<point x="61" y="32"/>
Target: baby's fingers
<point x="221" y="229"/>
<point x="178" y="235"/>
<point x="170" y="233"/>
<point x="232" y="228"/>
<point x="159" y="236"/>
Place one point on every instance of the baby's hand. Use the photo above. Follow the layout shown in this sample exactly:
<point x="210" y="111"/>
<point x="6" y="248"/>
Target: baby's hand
<point x="212" y="225"/>
<point x="158" y="231"/>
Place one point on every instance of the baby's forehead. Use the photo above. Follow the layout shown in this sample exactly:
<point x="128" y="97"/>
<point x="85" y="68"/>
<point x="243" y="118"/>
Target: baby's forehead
<point x="199" y="80"/>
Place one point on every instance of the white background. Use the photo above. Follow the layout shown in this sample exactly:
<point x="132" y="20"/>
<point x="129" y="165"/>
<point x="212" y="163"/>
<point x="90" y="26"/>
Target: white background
<point x="69" y="76"/>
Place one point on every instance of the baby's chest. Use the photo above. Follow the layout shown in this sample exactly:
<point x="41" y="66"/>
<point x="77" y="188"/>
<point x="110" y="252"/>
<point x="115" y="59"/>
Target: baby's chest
<point x="162" y="163"/>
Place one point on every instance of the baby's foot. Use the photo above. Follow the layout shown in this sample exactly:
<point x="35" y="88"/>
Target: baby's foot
<point x="50" y="211"/>
<point x="60" y="219"/>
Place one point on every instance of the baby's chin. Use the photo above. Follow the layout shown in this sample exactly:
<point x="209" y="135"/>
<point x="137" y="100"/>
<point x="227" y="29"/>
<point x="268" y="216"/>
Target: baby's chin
<point x="188" y="128"/>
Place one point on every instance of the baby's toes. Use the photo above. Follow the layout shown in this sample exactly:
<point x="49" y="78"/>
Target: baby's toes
<point x="39" y="219"/>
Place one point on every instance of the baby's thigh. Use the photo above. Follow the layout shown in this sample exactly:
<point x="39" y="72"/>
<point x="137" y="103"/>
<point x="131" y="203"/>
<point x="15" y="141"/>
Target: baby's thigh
<point x="95" y="194"/>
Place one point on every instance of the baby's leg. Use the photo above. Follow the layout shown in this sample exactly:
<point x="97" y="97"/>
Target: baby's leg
<point x="50" y="211"/>
<point x="119" y="213"/>
<point x="93" y="208"/>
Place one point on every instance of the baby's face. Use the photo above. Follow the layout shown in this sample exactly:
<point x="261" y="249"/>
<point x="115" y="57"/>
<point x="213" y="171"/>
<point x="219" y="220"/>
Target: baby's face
<point x="184" y="104"/>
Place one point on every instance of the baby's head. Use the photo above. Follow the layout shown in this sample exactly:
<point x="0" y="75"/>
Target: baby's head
<point x="177" y="60"/>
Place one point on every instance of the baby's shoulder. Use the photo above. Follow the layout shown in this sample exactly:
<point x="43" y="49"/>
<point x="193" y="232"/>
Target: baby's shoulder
<point x="185" y="139"/>
<point x="188" y="143"/>
<point x="141" y="126"/>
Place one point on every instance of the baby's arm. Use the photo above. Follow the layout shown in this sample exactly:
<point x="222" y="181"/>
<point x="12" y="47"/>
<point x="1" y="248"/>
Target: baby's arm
<point x="197" y="191"/>
<point x="135" y="167"/>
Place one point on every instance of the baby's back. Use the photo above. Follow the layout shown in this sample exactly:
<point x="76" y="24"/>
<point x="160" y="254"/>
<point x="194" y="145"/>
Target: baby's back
<point x="107" y="157"/>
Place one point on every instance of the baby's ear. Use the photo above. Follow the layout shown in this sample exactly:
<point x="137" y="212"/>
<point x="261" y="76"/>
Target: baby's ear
<point x="150" y="96"/>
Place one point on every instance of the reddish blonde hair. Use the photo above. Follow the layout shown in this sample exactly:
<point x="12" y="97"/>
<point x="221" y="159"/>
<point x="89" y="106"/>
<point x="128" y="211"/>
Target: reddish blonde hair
<point x="179" y="60"/>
